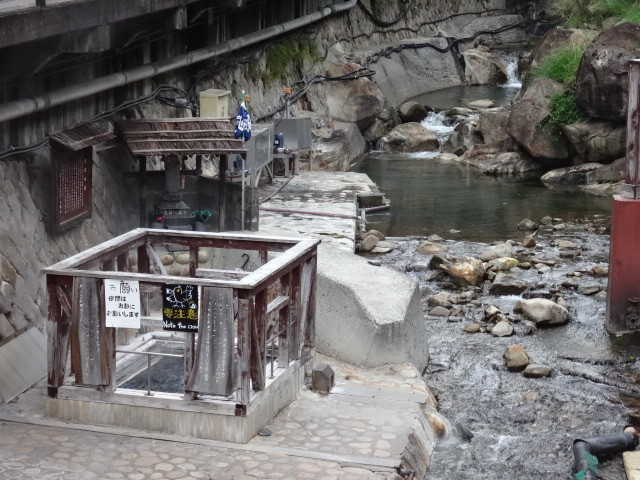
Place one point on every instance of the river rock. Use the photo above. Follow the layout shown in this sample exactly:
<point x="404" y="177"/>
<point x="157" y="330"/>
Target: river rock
<point x="410" y="137"/>
<point x="439" y="262"/>
<point x="481" y="104"/>
<point x="502" y="329"/>
<point x="368" y="243"/>
<point x="534" y="370"/>
<point x="472" y="328"/>
<point x="607" y="174"/>
<point x="412" y="112"/>
<point x="503" y="264"/>
<point x="439" y="312"/>
<point x="602" y="78"/>
<point x="459" y="111"/>
<point x="375" y="263"/>
<point x="465" y="136"/>
<point x="507" y="284"/>
<point x="526" y="116"/>
<point x="527" y="225"/>
<point x="416" y="267"/>
<point x="441" y="299"/>
<point x="430" y="248"/>
<point x="468" y="270"/>
<point x="599" y="271"/>
<point x="589" y="289"/>
<point x="355" y="101"/>
<point x="447" y="157"/>
<point x="529" y="241"/>
<point x="380" y="236"/>
<point x="497" y="251"/>
<point x="576" y="175"/>
<point x="491" y="159"/>
<point x="544" y="312"/>
<point x="516" y="359"/>
<point x="492" y="124"/>
<point x="597" y="141"/>
<point x="481" y="67"/>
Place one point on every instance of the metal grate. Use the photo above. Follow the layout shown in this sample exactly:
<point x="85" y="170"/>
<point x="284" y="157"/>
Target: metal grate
<point x="72" y="187"/>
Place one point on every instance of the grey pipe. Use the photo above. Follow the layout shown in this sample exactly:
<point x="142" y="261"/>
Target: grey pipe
<point x="26" y="106"/>
<point x="584" y="450"/>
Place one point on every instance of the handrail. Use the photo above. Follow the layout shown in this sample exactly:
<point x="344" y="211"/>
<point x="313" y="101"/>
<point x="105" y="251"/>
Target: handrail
<point x="149" y="355"/>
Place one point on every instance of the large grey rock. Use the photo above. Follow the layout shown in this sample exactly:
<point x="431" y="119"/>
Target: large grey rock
<point x="367" y="315"/>
<point x="410" y="137"/>
<point x="500" y="164"/>
<point x="431" y="248"/>
<point x="597" y="141"/>
<point x="534" y="370"/>
<point x="412" y="112"/>
<point x="507" y="284"/>
<point x="497" y="251"/>
<point x="467" y="271"/>
<point x="354" y="101"/>
<point x="570" y="175"/>
<point x="526" y="116"/>
<point x="336" y="150"/>
<point x="481" y="67"/>
<point x="492" y="124"/>
<point x="602" y="79"/>
<point x="464" y="137"/>
<point x="611" y="173"/>
<point x="502" y="329"/>
<point x="544" y="312"/>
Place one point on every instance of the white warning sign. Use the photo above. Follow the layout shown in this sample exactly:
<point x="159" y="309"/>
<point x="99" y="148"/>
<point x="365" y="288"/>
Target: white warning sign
<point x="122" y="303"/>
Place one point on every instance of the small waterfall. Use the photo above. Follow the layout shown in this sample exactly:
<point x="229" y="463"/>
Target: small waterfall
<point x="511" y="68"/>
<point x="440" y="125"/>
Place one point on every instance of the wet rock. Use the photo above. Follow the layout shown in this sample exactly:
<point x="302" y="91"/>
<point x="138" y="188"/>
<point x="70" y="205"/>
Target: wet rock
<point x="601" y="296"/>
<point x="439" y="262"/>
<point x="410" y="137"/>
<point x="481" y="67"/>
<point x="368" y="243"/>
<point x="465" y="137"/>
<point x="599" y="271"/>
<point x="525" y="265"/>
<point x="507" y="284"/>
<point x="589" y="289"/>
<point x="492" y="124"/>
<point x="566" y="244"/>
<point x="439" y="312"/>
<point x="430" y="248"/>
<point x="375" y="263"/>
<point x="472" y="328"/>
<point x="503" y="264"/>
<point x="481" y="104"/>
<point x="416" y="267"/>
<point x="386" y="244"/>
<point x="546" y="220"/>
<point x="544" y="312"/>
<point x="576" y="175"/>
<point x="412" y="112"/>
<point x="459" y="111"/>
<point x="527" y="224"/>
<point x="516" y="359"/>
<point x="490" y="312"/>
<point x="468" y="271"/>
<point x="497" y="251"/>
<point x="502" y="329"/>
<point x="435" y="238"/>
<point x="441" y="299"/>
<point x="529" y="241"/>
<point x="527" y="114"/>
<point x="465" y="297"/>
<point x="381" y="250"/>
<point x="529" y="328"/>
<point x="380" y="236"/>
<point x="598" y="141"/>
<point x="534" y="370"/>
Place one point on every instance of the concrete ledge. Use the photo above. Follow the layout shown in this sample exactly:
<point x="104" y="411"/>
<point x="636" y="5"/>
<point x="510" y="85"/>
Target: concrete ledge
<point x="212" y="420"/>
<point x="368" y="316"/>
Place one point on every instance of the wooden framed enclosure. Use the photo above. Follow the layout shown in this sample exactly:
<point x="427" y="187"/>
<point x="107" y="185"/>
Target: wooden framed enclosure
<point x="245" y="316"/>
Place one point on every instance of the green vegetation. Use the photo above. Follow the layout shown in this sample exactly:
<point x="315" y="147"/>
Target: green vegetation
<point x="284" y="57"/>
<point x="591" y="13"/>
<point x="564" y="109"/>
<point x="561" y="65"/>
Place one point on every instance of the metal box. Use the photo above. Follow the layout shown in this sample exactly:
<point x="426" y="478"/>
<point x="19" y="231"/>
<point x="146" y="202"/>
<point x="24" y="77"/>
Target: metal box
<point x="297" y="132"/>
<point x="259" y="150"/>
<point x="214" y="103"/>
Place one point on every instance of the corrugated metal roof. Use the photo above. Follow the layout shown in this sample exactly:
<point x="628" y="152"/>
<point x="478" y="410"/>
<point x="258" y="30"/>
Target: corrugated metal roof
<point x="23" y="361"/>
<point x="85" y="135"/>
<point x="180" y="136"/>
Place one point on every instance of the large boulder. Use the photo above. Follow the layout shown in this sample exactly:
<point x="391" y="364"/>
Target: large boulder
<point x="602" y="79"/>
<point x="366" y="315"/>
<point x="356" y="101"/>
<point x="492" y="124"/>
<point x="410" y="137"/>
<point x="611" y="173"/>
<point x="412" y="112"/>
<point x="481" y="67"/>
<point x="528" y="113"/>
<point x="464" y="137"/>
<point x="569" y="175"/>
<point x="598" y="141"/>
<point x="335" y="149"/>
<point x="492" y="159"/>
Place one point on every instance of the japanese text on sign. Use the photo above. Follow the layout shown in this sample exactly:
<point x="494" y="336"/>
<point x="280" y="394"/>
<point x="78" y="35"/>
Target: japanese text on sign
<point x="122" y="303"/>
<point x="180" y="308"/>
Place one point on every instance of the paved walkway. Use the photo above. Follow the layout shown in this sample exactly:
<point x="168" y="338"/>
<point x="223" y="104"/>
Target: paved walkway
<point x="357" y="432"/>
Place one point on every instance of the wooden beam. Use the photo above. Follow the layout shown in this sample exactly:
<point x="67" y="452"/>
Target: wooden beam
<point x="245" y="313"/>
<point x="216" y="274"/>
<point x="258" y="359"/>
<point x="190" y="151"/>
<point x="295" y="311"/>
<point x="284" y="323"/>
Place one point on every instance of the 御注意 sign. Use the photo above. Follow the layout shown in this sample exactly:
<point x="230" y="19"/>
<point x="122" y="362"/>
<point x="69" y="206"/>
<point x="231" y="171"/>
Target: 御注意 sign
<point x="180" y="308"/>
<point x="122" y="303"/>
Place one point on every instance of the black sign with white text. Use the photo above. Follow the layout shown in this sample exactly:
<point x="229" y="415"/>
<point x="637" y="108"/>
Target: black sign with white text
<point x="180" y="308"/>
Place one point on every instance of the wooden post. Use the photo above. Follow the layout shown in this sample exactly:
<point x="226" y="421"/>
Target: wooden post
<point x="284" y="324"/>
<point x="58" y="328"/>
<point x="258" y="359"/>
<point x="309" y="339"/>
<point x="222" y="192"/>
<point x="245" y="313"/>
<point x="295" y="311"/>
<point x="190" y="338"/>
<point x="143" y="259"/>
<point x="142" y="163"/>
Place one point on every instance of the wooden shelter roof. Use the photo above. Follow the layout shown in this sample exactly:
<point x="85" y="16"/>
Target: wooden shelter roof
<point x="85" y="135"/>
<point x="180" y="136"/>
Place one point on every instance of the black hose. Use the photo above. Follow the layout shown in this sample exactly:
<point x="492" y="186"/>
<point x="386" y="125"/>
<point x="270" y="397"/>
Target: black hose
<point x="585" y="451"/>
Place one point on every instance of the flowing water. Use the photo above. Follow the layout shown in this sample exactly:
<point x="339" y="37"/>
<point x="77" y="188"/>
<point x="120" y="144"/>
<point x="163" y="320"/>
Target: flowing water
<point x="522" y="427"/>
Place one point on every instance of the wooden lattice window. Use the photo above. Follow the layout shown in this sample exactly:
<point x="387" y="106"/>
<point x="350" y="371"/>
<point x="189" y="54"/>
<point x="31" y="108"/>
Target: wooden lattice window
<point x="71" y="186"/>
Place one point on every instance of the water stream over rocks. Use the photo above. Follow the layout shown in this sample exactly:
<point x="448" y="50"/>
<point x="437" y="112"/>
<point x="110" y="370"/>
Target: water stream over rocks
<point x="524" y="427"/>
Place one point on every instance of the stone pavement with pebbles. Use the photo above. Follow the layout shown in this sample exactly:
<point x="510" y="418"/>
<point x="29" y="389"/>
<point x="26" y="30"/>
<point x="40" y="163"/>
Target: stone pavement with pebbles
<point x="357" y="433"/>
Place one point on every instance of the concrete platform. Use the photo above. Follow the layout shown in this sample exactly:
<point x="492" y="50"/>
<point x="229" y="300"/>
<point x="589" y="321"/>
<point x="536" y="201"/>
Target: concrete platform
<point x="632" y="465"/>
<point x="373" y="422"/>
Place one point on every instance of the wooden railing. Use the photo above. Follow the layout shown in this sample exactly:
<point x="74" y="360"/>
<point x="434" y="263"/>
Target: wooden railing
<point x="243" y="315"/>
